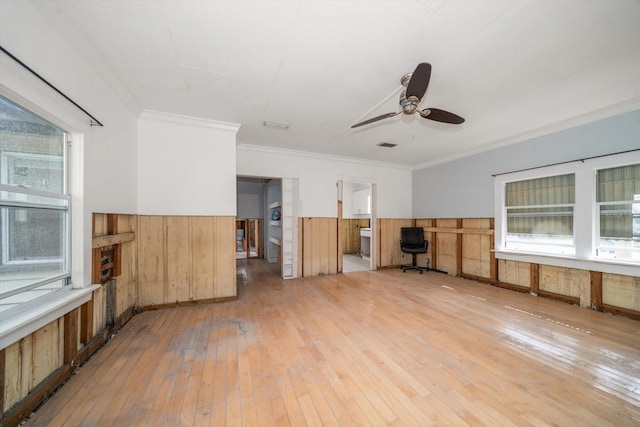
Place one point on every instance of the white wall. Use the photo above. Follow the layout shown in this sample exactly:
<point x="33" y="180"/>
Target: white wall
<point x="318" y="176"/>
<point x="186" y="166"/>
<point x="104" y="156"/>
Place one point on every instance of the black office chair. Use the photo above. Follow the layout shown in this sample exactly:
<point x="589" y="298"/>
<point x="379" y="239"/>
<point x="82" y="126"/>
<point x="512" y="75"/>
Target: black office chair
<point x="412" y="242"/>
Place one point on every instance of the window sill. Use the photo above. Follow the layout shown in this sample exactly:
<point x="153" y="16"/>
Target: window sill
<point x="22" y="324"/>
<point x="605" y="266"/>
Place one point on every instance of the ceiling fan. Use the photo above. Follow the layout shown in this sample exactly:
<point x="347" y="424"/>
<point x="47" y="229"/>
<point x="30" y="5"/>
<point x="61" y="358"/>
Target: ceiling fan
<point x="416" y="84"/>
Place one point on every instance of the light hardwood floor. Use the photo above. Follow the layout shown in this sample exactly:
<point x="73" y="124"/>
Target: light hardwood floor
<point x="367" y="348"/>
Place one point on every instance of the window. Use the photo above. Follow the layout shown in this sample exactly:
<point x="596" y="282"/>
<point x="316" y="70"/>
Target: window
<point x="618" y="207"/>
<point x="34" y="209"/>
<point x="582" y="214"/>
<point x="540" y="214"/>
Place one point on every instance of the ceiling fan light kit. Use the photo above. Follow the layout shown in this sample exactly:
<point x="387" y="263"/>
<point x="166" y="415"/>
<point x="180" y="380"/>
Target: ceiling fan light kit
<point x="416" y="84"/>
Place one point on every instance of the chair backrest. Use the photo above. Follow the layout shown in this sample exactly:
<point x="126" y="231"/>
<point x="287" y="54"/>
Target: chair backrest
<point x="411" y="236"/>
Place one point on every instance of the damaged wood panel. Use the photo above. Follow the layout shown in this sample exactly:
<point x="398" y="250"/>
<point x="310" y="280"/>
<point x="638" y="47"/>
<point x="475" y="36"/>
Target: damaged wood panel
<point x="126" y="282"/>
<point x="514" y="272"/>
<point x="447" y="246"/>
<point x="621" y="291"/>
<point x="564" y="281"/>
<point x="32" y="359"/>
<point x="476" y="248"/>
<point x="99" y="310"/>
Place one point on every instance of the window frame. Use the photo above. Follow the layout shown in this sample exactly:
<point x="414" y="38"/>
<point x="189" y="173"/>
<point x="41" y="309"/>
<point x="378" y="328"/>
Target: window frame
<point x="28" y="92"/>
<point x="586" y="215"/>
<point x="551" y="247"/>
<point x="635" y="216"/>
<point x="61" y="280"/>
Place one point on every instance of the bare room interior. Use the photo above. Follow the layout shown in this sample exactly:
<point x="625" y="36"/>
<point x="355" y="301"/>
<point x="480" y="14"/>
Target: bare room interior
<point x="411" y="212"/>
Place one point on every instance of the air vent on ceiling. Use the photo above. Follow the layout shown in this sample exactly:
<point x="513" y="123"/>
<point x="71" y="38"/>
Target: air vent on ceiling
<point x="386" y="145"/>
<point x="274" y="125"/>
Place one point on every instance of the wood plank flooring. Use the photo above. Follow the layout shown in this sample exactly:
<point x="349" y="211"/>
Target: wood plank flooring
<point x="367" y="348"/>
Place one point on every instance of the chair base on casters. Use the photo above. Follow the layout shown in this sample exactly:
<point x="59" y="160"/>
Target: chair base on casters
<point x="414" y="266"/>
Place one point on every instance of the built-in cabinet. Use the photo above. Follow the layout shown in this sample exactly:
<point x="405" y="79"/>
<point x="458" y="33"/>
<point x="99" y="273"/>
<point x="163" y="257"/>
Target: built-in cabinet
<point x="274" y="219"/>
<point x="361" y="202"/>
<point x="275" y="213"/>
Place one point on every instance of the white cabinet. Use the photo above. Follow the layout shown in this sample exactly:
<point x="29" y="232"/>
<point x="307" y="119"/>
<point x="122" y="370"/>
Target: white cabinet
<point x="361" y="202"/>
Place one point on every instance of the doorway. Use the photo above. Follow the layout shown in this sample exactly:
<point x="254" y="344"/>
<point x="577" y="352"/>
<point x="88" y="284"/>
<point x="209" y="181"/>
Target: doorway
<point x="266" y="225"/>
<point x="356" y="218"/>
<point x="249" y="238"/>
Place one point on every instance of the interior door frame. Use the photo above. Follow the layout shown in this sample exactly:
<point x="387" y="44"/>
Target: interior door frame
<point x="373" y="257"/>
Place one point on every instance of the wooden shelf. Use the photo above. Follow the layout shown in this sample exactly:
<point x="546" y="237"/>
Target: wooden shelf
<point x="112" y="239"/>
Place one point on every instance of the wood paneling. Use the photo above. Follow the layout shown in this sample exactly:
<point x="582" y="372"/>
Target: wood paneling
<point x="32" y="359"/>
<point x="447" y="246"/>
<point x="621" y="291"/>
<point x="476" y="249"/>
<point x="351" y="234"/>
<point x="389" y="252"/>
<point x="151" y="260"/>
<point x="432" y="246"/>
<point x="565" y="282"/>
<point x="183" y="259"/>
<point x="514" y="272"/>
<point x="319" y="246"/>
<point x="596" y="290"/>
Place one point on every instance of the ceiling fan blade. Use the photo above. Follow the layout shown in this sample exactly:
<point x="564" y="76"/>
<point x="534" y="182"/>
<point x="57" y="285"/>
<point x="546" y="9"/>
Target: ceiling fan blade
<point x="419" y="80"/>
<point x="375" y="119"/>
<point x="441" y="116"/>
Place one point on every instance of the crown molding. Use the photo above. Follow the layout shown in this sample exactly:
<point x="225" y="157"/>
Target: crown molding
<point x="189" y="120"/>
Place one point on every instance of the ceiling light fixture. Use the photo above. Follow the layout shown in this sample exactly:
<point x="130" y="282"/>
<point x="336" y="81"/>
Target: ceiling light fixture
<point x="274" y="125"/>
<point x="386" y="145"/>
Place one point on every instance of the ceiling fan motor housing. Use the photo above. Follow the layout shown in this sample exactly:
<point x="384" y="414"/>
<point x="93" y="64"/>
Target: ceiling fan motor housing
<point x="408" y="105"/>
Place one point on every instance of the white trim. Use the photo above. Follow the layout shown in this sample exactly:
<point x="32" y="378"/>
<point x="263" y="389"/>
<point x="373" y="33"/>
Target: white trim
<point x="21" y="325"/>
<point x="188" y="120"/>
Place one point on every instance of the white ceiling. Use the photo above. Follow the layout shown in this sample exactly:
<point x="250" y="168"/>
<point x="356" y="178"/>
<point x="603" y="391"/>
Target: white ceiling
<point x="513" y="69"/>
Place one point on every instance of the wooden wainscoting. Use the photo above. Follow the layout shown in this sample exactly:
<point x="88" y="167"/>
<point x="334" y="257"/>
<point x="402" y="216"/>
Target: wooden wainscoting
<point x="463" y="247"/>
<point x="185" y="259"/>
<point x="351" y="234"/>
<point x="389" y="254"/>
<point x="318" y="246"/>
